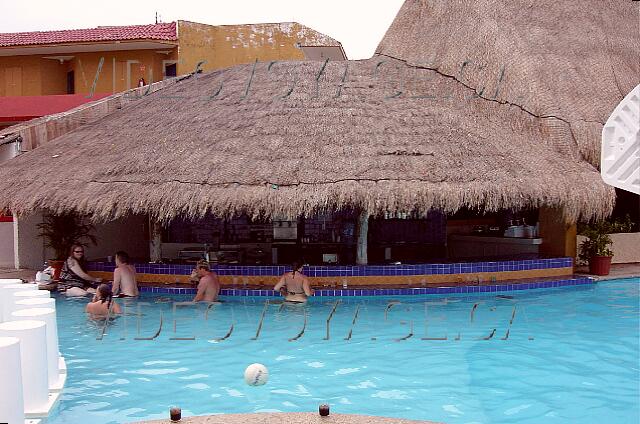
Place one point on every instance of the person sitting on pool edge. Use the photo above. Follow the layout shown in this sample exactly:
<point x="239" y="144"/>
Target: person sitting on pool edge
<point x="294" y="285"/>
<point x="74" y="272"/>
<point x="102" y="302"/>
<point x="124" y="277"/>
<point x="209" y="285"/>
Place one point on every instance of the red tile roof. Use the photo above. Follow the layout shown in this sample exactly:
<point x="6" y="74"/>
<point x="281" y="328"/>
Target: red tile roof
<point x="162" y="31"/>
<point x="23" y="108"/>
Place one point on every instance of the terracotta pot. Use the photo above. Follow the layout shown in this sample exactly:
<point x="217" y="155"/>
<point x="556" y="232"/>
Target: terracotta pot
<point x="599" y="265"/>
<point x="57" y="268"/>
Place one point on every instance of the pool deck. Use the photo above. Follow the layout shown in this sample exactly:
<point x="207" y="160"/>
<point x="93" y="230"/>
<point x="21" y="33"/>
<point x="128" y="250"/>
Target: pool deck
<point x="617" y="271"/>
<point x="25" y="274"/>
<point x="287" y="418"/>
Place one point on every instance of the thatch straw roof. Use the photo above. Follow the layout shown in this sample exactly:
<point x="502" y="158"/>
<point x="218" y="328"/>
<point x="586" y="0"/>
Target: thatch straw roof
<point x="571" y="60"/>
<point x="269" y="140"/>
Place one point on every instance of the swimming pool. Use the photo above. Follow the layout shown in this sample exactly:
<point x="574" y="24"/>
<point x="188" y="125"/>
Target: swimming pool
<point x="570" y="355"/>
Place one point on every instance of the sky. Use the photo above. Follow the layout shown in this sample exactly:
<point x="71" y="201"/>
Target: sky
<point x="358" y="24"/>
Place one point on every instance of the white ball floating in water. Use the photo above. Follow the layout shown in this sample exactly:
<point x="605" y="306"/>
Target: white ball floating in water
<point x="256" y="375"/>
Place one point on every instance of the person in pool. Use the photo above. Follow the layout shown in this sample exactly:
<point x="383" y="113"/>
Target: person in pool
<point x="124" y="277"/>
<point x="294" y="285"/>
<point x="209" y="285"/>
<point x="102" y="302"/>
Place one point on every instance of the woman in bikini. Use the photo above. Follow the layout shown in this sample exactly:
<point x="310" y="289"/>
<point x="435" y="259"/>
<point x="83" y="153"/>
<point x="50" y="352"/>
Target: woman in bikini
<point x="294" y="285"/>
<point x="102" y="304"/>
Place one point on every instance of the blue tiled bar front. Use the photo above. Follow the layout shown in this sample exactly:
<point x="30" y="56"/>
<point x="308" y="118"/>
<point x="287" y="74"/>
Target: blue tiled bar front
<point x="392" y="291"/>
<point x="352" y="271"/>
<point x="421" y="276"/>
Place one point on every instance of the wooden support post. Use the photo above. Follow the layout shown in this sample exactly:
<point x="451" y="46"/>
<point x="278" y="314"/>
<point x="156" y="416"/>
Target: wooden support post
<point x="363" y="230"/>
<point x="559" y="236"/>
<point x="155" y="241"/>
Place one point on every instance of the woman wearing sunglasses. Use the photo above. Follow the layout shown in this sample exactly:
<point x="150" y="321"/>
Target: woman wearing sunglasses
<point x="74" y="272"/>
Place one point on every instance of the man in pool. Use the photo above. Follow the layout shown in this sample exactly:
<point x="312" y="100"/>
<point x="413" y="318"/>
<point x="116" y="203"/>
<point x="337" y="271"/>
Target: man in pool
<point x="124" y="277"/>
<point x="209" y="285"/>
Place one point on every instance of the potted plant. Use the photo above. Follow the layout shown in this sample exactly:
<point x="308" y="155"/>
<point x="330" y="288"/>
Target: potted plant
<point x="596" y="248"/>
<point x="62" y="231"/>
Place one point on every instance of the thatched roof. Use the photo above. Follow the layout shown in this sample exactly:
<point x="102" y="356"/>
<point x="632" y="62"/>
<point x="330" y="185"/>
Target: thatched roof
<point x="574" y="61"/>
<point x="265" y="141"/>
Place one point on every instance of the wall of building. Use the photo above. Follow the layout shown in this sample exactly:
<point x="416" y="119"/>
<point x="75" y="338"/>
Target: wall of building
<point x="39" y="76"/>
<point x="113" y="77"/>
<point x="228" y="45"/>
<point x="28" y="75"/>
<point x="30" y="250"/>
<point x="130" y="234"/>
<point x="625" y="248"/>
<point x="6" y="246"/>
<point x="53" y="77"/>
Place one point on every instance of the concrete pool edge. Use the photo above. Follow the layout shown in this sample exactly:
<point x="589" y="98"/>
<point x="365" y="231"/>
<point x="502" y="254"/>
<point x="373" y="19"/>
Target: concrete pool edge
<point x="287" y="418"/>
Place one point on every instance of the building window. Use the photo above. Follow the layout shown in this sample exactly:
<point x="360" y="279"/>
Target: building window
<point x="170" y="70"/>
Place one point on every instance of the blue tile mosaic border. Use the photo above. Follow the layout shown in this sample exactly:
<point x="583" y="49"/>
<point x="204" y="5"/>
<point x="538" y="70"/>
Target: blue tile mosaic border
<point x="355" y="270"/>
<point x="393" y="292"/>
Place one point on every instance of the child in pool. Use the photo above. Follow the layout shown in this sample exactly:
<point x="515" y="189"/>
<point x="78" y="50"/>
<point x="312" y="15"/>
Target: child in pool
<point x="102" y="302"/>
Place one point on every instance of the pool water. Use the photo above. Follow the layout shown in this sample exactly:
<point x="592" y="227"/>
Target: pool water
<point x="571" y="355"/>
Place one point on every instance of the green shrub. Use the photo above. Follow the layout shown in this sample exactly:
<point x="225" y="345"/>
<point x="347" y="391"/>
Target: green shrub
<point x="598" y="241"/>
<point x="60" y="232"/>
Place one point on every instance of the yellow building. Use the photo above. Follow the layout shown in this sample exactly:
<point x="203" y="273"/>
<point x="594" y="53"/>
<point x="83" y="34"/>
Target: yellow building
<point x="107" y="60"/>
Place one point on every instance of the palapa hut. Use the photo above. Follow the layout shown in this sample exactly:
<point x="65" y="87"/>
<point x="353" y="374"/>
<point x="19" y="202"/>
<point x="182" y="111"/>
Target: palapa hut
<point x="476" y="104"/>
